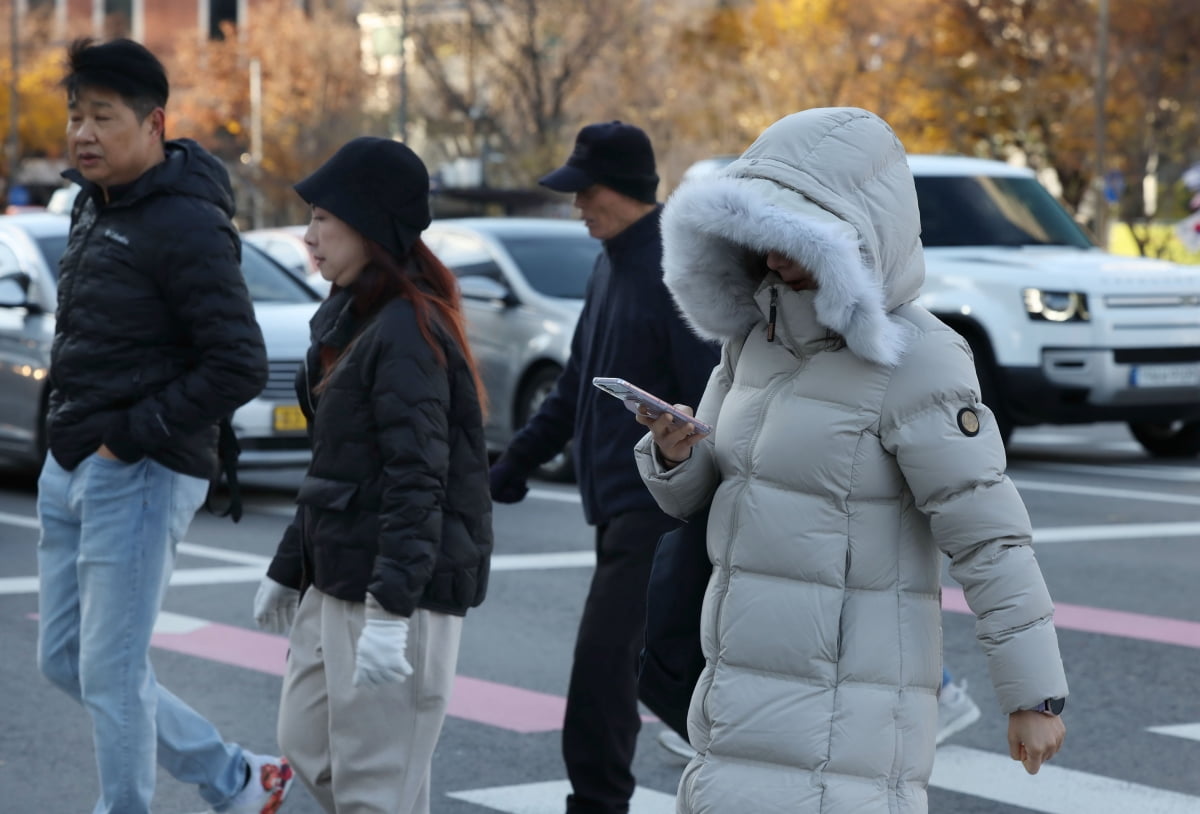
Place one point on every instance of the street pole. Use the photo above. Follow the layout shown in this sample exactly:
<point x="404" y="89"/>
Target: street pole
<point x="402" y="107"/>
<point x="1101" y="120"/>
<point x="256" y="141"/>
<point x="12" y="147"/>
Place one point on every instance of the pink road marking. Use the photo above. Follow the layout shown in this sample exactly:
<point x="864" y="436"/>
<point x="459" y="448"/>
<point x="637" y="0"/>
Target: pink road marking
<point x="251" y="649"/>
<point x="1162" y="629"/>
<point x="511" y="708"/>
<point x="473" y="699"/>
<point x="526" y="711"/>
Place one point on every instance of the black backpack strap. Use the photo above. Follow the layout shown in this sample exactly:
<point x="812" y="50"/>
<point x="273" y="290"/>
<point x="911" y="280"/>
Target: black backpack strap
<point x="228" y="450"/>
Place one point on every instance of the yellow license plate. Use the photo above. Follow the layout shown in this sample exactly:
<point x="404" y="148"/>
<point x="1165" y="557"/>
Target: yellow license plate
<point x="289" y="418"/>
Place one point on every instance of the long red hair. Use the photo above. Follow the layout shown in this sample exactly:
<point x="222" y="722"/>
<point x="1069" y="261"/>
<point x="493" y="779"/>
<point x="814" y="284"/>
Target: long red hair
<point x="428" y="285"/>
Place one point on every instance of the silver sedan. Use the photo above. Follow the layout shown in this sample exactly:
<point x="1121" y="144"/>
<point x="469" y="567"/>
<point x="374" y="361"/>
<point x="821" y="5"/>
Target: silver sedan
<point x="522" y="282"/>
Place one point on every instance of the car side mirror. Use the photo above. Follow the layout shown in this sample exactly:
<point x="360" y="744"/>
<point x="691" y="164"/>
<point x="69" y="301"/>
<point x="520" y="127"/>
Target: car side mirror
<point x="14" y="290"/>
<point x="485" y="289"/>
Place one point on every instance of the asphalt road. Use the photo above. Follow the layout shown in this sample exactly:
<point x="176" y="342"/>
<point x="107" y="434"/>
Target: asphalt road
<point x="1118" y="538"/>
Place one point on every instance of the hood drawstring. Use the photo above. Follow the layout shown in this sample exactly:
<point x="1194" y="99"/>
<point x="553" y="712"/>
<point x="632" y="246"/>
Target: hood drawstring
<point x="771" y="317"/>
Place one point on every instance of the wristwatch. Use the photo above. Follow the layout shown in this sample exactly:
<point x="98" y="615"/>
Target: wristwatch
<point x="1053" y="706"/>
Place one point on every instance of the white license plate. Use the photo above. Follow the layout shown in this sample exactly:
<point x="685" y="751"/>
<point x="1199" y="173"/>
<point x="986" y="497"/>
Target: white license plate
<point x="1185" y="375"/>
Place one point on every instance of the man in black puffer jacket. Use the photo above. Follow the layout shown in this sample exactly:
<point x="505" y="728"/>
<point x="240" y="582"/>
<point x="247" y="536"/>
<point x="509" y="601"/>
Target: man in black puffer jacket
<point x="156" y="341"/>
<point x="629" y="328"/>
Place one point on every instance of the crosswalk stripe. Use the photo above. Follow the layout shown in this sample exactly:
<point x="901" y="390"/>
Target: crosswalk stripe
<point x="1182" y="474"/>
<point x="973" y="772"/>
<point x="1027" y="484"/>
<point x="1053" y="790"/>
<point x="1114" y="531"/>
<point x="1188" y="731"/>
<point x="550" y="797"/>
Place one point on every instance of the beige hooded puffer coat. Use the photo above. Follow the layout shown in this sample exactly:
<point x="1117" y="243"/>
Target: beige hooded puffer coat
<point x="840" y="473"/>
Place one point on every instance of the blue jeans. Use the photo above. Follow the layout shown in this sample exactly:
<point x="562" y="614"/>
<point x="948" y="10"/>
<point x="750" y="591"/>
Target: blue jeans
<point x="109" y="532"/>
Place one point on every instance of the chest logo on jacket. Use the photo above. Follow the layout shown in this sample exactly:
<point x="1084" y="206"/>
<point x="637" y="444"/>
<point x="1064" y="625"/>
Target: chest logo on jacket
<point x="116" y="237"/>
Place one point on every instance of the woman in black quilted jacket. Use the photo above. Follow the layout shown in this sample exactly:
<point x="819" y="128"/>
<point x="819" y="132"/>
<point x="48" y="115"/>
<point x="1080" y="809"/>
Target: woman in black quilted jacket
<point x="392" y="536"/>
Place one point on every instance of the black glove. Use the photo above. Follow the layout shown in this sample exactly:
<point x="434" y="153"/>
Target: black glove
<point x="507" y="480"/>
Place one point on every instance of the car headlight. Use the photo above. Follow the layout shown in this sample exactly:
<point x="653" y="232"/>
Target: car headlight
<point x="1056" y="306"/>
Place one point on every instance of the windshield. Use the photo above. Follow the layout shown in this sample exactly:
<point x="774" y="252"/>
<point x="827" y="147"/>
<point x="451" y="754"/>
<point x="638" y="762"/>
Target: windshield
<point x="270" y="282"/>
<point x="52" y="248"/>
<point x="990" y="211"/>
<point x="267" y="280"/>
<point x="555" y="266"/>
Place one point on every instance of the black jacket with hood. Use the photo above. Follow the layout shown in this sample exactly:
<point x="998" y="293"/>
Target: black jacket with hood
<point x="156" y="337"/>
<point x="396" y="499"/>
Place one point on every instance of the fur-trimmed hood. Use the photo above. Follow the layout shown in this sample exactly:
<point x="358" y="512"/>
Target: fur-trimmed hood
<point x="831" y="189"/>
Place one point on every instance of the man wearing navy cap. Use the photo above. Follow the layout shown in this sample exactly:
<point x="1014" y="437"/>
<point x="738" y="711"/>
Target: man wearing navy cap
<point x="629" y="328"/>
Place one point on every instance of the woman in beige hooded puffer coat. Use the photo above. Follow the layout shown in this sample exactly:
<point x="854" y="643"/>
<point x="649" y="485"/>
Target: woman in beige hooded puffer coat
<point x="850" y="452"/>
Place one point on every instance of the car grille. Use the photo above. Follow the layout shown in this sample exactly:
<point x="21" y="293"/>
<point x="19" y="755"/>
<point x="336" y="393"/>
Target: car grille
<point x="281" y="380"/>
<point x="1133" y="356"/>
<point x="278" y="444"/>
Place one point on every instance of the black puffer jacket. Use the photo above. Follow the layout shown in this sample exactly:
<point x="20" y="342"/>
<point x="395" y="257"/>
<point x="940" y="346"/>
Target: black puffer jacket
<point x="396" y="499"/>
<point x="156" y="337"/>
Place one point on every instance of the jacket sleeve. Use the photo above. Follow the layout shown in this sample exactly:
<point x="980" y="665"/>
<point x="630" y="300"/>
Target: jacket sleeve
<point x="287" y="566"/>
<point x="410" y="403"/>
<point x="201" y="279"/>
<point x="687" y="488"/>
<point x="957" y="478"/>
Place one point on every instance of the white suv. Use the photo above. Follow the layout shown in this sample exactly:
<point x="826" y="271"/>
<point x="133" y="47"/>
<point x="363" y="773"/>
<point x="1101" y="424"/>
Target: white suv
<point x="1063" y="332"/>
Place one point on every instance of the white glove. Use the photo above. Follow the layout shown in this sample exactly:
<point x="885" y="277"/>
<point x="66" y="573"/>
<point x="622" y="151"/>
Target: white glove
<point x="275" y="606"/>
<point x="380" y="657"/>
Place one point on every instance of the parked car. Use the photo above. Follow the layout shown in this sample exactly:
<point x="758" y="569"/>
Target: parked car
<point x="286" y="246"/>
<point x="1062" y="331"/>
<point x="270" y="428"/>
<point x="522" y="283"/>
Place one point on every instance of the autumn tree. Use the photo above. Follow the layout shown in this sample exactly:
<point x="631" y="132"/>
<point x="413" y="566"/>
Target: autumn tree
<point x="312" y="92"/>
<point x="41" y="105"/>
<point x="742" y="66"/>
<point x="504" y="74"/>
<point x="1154" y="110"/>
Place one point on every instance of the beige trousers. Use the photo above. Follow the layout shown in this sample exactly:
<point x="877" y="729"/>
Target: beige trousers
<point x="364" y="750"/>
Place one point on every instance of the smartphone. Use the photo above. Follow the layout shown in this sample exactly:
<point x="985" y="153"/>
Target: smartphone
<point x="635" y="398"/>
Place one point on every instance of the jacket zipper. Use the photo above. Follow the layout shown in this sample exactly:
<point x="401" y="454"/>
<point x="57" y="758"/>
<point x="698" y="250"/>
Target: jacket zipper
<point x="70" y="294"/>
<point x="771" y="316"/>
<point x="308" y="389"/>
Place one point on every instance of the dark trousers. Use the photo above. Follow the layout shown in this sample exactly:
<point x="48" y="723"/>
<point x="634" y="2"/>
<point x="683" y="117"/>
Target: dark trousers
<point x="602" y="719"/>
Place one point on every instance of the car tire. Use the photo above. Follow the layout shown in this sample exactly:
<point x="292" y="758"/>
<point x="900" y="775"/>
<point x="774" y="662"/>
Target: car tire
<point x="989" y="390"/>
<point x="560" y="468"/>
<point x="1178" y="439"/>
<point x="41" y="448"/>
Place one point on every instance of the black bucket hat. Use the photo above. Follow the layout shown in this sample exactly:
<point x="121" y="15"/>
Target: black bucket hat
<point x="378" y="186"/>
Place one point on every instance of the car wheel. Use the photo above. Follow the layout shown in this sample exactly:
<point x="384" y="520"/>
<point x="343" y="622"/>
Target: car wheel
<point x="41" y="447"/>
<point x="1177" y="439"/>
<point x="989" y="391"/>
<point x="560" y="468"/>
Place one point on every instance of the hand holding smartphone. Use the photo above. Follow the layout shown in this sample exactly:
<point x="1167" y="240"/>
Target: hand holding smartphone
<point x="638" y="400"/>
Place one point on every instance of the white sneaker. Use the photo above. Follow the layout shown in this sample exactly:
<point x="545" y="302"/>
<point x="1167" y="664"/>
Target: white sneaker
<point x="956" y="710"/>
<point x="669" y="739"/>
<point x="270" y="780"/>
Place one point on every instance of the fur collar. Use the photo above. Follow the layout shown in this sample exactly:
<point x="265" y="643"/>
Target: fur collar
<point x="710" y="225"/>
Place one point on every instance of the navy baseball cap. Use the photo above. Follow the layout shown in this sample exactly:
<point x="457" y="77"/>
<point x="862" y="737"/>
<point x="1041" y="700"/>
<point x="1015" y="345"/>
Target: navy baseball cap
<point x="614" y="154"/>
